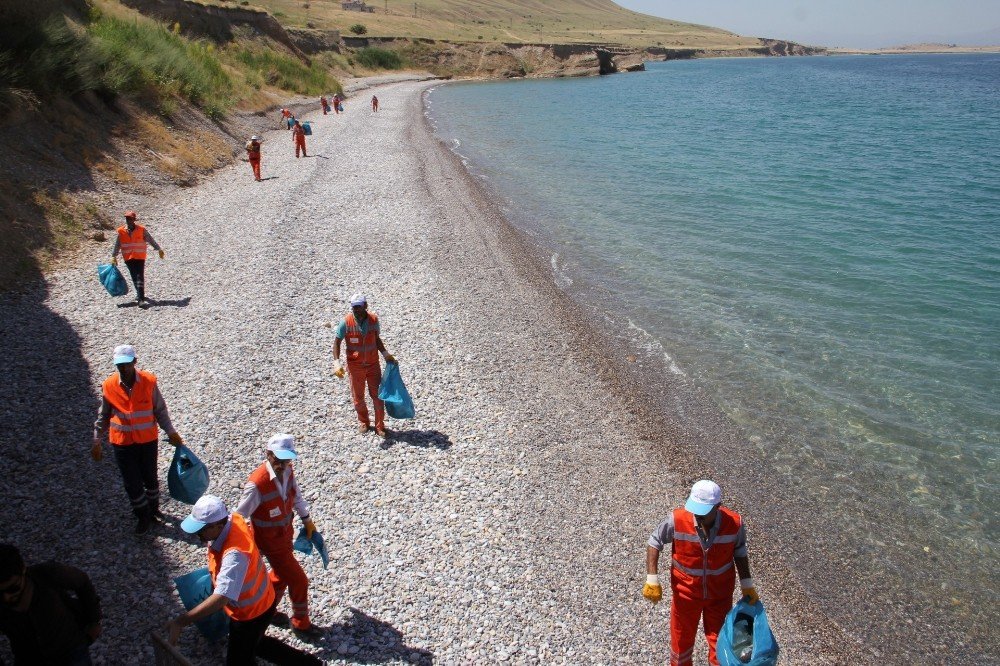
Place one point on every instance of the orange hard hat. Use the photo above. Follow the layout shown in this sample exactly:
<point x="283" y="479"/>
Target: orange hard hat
<point x="130" y="215"/>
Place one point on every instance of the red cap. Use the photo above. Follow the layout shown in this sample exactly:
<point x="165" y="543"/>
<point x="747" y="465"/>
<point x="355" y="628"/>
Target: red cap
<point x="130" y="215"/>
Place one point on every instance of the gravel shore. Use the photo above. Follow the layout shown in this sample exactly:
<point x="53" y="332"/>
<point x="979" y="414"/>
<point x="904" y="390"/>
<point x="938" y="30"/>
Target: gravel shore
<point x="506" y="523"/>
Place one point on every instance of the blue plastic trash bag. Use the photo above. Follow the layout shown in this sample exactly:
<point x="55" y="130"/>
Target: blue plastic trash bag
<point x="193" y="589"/>
<point x="393" y="393"/>
<point x="112" y="279"/>
<point x="341" y="108"/>
<point x="760" y="647"/>
<point x="307" y="128"/>
<point x="187" y="479"/>
<point x="304" y="545"/>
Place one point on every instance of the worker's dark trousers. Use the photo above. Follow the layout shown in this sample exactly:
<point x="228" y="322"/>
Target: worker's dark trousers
<point x="137" y="269"/>
<point x="137" y="463"/>
<point x="247" y="641"/>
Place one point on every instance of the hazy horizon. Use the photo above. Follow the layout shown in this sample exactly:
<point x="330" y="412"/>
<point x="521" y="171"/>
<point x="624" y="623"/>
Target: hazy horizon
<point x="846" y="23"/>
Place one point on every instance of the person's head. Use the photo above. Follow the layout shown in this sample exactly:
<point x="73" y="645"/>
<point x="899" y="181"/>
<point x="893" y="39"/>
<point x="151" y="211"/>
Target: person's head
<point x="255" y="139"/>
<point x="359" y="306"/>
<point x="12" y="572"/>
<point x="130" y="218"/>
<point x="124" y="357"/>
<point x="280" y="452"/>
<point x="209" y="516"/>
<point x="298" y="124"/>
<point x="704" y="501"/>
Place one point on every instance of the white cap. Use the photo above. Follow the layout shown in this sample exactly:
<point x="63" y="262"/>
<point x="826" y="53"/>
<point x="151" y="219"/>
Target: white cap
<point x="255" y="138"/>
<point x="359" y="299"/>
<point x="124" y="354"/>
<point x="282" y="446"/>
<point x="704" y="496"/>
<point x="208" y="509"/>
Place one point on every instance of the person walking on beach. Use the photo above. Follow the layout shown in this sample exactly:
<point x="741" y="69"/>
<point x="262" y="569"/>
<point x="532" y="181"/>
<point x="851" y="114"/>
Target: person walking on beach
<point x="131" y="241"/>
<point x="299" y="138"/>
<point x="131" y="407"/>
<point x="374" y="103"/>
<point x="253" y="156"/>
<point x="270" y="496"/>
<point x="360" y="330"/>
<point x="706" y="539"/>
<point x="240" y="587"/>
<point x="50" y="612"/>
<point x="336" y="104"/>
<point x="323" y="103"/>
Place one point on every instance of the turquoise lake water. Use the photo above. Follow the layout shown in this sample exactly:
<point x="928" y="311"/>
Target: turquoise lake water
<point x="814" y="241"/>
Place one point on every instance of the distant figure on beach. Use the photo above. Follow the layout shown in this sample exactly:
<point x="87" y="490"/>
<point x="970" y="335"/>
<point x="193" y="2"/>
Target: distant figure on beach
<point x="374" y="103"/>
<point x="706" y="539"/>
<point x="286" y="116"/>
<point x="253" y="156"/>
<point x="299" y="138"/>
<point x="131" y="242"/>
<point x="362" y="334"/>
<point x="336" y="103"/>
<point x="323" y="103"/>
<point x="50" y="612"/>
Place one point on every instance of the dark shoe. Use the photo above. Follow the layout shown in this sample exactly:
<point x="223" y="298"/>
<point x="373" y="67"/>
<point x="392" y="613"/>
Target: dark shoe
<point x="363" y="428"/>
<point x="309" y="634"/>
<point x="280" y="619"/>
<point x="142" y="527"/>
<point x="158" y="516"/>
<point x="144" y="304"/>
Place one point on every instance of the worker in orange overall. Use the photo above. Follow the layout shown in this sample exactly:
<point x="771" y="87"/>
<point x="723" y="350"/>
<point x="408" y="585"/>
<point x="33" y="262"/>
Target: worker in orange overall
<point x="131" y="241"/>
<point x="374" y="103"/>
<point x="253" y="156"/>
<point x="131" y="408"/>
<point x="299" y="137"/>
<point x="360" y="330"/>
<point x="286" y="118"/>
<point x="240" y="586"/>
<point x="269" y="498"/>
<point x="324" y="104"/>
<point x="705" y="539"/>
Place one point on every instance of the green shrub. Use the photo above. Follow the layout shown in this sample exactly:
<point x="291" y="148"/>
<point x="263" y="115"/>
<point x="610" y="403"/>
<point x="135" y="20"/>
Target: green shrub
<point x="376" y="58"/>
<point x="283" y="71"/>
<point x="358" y="29"/>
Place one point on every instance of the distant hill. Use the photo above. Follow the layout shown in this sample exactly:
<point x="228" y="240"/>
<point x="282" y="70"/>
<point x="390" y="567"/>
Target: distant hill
<point x="514" y="21"/>
<point x="931" y="47"/>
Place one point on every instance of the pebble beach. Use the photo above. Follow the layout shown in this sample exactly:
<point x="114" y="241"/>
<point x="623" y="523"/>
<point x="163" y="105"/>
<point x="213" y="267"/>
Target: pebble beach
<point x="506" y="523"/>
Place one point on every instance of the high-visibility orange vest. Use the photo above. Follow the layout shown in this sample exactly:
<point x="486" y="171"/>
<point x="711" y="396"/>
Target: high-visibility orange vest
<point x="133" y="245"/>
<point x="253" y="151"/>
<point x="362" y="349"/>
<point x="256" y="595"/>
<point x="132" y="420"/>
<point x="700" y="573"/>
<point x="272" y="521"/>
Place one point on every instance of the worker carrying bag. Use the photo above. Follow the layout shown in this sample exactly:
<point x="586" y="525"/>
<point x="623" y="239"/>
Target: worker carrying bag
<point x="112" y="279"/>
<point x="307" y="128"/>
<point x="746" y="638"/>
<point x="194" y="588"/>
<point x="305" y="545"/>
<point x="187" y="479"/>
<point x="393" y="393"/>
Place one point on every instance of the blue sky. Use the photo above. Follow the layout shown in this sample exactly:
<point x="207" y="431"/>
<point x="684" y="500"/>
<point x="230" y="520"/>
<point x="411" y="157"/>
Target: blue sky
<point x="854" y="23"/>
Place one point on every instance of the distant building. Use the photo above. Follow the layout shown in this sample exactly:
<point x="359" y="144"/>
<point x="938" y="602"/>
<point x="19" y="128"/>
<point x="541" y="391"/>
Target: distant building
<point x="356" y="6"/>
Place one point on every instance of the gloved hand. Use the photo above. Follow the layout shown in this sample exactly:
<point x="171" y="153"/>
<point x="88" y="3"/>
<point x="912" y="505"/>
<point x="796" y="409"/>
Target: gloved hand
<point x="175" y="438"/>
<point x="114" y="260"/>
<point x="310" y="527"/>
<point x="96" y="451"/>
<point x="162" y="254"/>
<point x="652" y="590"/>
<point x="749" y="590"/>
<point x="338" y="370"/>
<point x="389" y="358"/>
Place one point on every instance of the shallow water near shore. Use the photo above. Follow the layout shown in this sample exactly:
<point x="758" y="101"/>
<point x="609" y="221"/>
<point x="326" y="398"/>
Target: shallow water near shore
<point x="815" y="242"/>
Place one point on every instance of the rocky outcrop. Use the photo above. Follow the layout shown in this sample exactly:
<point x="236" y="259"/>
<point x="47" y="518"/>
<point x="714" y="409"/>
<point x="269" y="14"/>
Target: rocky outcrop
<point x="768" y="47"/>
<point x="215" y="22"/>
<point x="311" y="41"/>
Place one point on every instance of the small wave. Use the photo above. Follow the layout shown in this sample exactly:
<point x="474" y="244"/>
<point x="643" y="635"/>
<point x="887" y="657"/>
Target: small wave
<point x="654" y="346"/>
<point x="563" y="281"/>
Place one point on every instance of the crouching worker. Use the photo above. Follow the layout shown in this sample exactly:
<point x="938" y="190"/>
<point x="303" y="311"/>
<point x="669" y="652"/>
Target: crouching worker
<point x="706" y="539"/>
<point x="269" y="499"/>
<point x="240" y="586"/>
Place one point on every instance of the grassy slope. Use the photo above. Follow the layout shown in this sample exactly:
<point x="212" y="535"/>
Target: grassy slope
<point x="530" y="21"/>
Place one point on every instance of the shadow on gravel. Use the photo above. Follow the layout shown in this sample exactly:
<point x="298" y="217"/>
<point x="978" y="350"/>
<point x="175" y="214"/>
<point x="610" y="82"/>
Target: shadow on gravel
<point x="425" y="439"/>
<point x="270" y="178"/>
<point x="364" y="639"/>
<point x="178" y="303"/>
<point x="57" y="502"/>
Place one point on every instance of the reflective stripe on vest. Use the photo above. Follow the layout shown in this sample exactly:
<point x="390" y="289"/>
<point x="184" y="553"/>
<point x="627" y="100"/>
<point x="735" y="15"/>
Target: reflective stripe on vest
<point x="132" y="420"/>
<point x="701" y="571"/>
<point x="256" y="593"/>
<point x="272" y="529"/>
<point x="133" y="245"/>
<point x="362" y="348"/>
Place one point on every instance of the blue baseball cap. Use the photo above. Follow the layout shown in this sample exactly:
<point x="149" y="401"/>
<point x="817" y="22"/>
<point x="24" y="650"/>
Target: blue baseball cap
<point x="124" y="354"/>
<point x="208" y="509"/>
<point x="704" y="496"/>
<point x="282" y="446"/>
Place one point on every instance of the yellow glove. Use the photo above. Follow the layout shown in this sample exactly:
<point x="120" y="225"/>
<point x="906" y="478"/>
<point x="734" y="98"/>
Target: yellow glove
<point x="310" y="527"/>
<point x="749" y="590"/>
<point x="652" y="590"/>
<point x="162" y="254"/>
<point x="338" y="371"/>
<point x="114" y="260"/>
<point x="96" y="451"/>
<point x="389" y="358"/>
<point x="175" y="438"/>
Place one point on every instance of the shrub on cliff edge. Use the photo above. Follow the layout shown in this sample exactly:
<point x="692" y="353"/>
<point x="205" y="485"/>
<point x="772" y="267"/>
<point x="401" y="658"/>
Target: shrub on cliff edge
<point x="376" y="58"/>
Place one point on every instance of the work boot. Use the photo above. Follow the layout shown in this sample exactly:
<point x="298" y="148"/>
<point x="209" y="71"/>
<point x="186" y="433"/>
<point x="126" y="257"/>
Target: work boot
<point x="155" y="513"/>
<point x="381" y="432"/>
<point x="363" y="428"/>
<point x="145" y="520"/>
